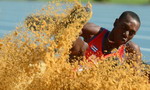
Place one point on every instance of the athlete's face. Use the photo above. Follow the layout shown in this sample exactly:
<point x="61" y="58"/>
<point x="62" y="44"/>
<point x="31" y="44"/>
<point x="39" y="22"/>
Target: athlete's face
<point x="125" y="29"/>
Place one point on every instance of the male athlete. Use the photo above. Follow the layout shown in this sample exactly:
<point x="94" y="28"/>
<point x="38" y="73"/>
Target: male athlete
<point x="100" y="42"/>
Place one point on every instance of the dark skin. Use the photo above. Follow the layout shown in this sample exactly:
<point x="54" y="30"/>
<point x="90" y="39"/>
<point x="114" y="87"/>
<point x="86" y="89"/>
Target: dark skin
<point x="124" y="30"/>
<point x="78" y="50"/>
<point x="122" y="33"/>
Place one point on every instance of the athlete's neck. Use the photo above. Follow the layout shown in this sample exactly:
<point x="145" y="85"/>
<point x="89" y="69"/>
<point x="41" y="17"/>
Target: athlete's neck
<point x="109" y="44"/>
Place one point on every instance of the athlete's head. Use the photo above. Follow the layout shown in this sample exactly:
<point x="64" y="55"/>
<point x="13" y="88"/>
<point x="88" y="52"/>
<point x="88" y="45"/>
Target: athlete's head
<point x="125" y="27"/>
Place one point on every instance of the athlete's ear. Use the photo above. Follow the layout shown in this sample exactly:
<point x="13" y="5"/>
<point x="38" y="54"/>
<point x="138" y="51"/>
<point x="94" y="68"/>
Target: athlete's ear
<point x="116" y="22"/>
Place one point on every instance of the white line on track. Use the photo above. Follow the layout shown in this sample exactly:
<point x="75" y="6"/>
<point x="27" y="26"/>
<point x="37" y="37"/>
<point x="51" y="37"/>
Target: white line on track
<point x="145" y="49"/>
<point x="142" y="37"/>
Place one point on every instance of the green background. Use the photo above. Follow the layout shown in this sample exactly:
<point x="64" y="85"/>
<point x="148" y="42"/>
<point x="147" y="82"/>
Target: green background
<point x="104" y="1"/>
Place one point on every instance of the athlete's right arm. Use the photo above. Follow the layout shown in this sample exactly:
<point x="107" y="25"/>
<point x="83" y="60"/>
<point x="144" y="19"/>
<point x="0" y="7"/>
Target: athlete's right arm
<point x="79" y="46"/>
<point x="78" y="49"/>
<point x="89" y="30"/>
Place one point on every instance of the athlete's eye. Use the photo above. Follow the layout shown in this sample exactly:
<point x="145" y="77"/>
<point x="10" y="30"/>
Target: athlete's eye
<point x="132" y="33"/>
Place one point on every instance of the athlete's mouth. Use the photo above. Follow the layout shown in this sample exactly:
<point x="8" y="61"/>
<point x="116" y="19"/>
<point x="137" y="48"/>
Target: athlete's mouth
<point x="124" y="39"/>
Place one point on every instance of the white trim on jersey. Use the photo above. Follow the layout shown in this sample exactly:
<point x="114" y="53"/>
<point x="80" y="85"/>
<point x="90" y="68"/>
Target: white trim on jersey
<point x="94" y="48"/>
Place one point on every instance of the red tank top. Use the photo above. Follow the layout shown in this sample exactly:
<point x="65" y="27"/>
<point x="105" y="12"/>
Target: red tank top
<point x="96" y="47"/>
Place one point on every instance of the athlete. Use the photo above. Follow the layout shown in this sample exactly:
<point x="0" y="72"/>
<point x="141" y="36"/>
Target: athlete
<point x="99" y="42"/>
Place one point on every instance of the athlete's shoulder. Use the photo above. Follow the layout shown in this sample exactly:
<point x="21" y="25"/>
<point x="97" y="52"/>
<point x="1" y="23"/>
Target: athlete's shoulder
<point x="132" y="47"/>
<point x="90" y="28"/>
<point x="104" y="30"/>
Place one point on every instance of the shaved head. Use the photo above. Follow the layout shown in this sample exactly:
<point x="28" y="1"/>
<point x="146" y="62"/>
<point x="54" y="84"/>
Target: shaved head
<point x="130" y="13"/>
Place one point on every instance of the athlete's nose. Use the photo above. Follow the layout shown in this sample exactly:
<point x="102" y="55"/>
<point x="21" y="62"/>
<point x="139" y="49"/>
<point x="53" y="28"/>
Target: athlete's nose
<point x="126" y="34"/>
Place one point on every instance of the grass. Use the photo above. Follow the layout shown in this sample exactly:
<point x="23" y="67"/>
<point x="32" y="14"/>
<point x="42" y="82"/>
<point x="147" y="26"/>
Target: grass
<point x="108" y="1"/>
<point x="130" y="1"/>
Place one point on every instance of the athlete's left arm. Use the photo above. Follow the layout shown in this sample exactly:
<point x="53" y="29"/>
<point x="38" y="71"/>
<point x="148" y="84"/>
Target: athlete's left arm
<point x="133" y="53"/>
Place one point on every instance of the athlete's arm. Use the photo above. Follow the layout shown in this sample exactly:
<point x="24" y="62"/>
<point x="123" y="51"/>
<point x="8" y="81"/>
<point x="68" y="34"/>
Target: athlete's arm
<point x="133" y="53"/>
<point x="78" y="49"/>
<point x="89" y="30"/>
<point x="79" y="46"/>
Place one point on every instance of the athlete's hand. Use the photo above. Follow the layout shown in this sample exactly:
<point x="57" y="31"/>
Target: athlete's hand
<point x="78" y="48"/>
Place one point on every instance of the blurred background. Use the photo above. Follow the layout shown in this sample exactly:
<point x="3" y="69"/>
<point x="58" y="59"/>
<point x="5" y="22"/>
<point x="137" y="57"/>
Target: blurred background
<point x="13" y="12"/>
